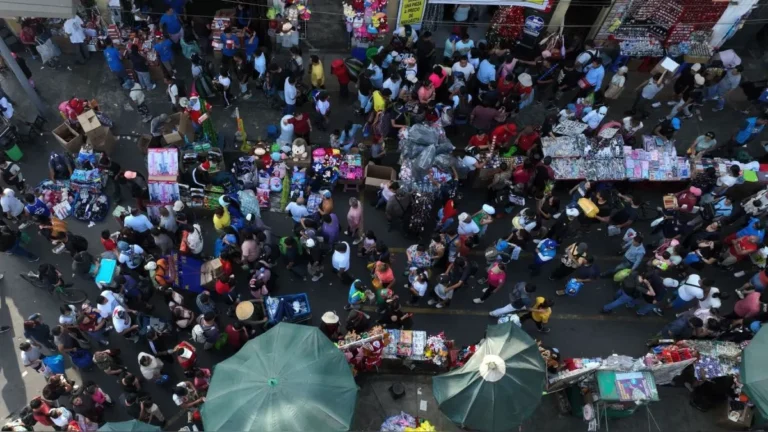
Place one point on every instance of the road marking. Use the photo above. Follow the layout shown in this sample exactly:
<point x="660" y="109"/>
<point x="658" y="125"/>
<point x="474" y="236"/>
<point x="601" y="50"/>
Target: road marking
<point x="555" y="316"/>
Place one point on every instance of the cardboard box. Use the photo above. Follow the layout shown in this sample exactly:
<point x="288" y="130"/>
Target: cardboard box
<point x="181" y="123"/>
<point x="376" y="175"/>
<point x="90" y="123"/>
<point x="68" y="138"/>
<point x="209" y="272"/>
<point x="104" y="143"/>
<point x="173" y="139"/>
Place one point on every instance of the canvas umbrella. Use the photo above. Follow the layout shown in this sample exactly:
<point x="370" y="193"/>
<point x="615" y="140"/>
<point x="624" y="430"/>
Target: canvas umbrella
<point x="291" y="378"/>
<point x="499" y="387"/>
<point x="129" y="426"/>
<point x="754" y="374"/>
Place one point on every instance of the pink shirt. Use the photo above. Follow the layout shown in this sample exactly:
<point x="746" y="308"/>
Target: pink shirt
<point x="437" y="80"/>
<point x="496" y="280"/>
<point x="749" y="306"/>
<point x="425" y="94"/>
<point x="355" y="217"/>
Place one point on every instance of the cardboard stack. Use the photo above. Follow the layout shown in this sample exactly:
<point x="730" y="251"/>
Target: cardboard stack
<point x="68" y="138"/>
<point x="376" y="175"/>
<point x="209" y="272"/>
<point x="178" y="128"/>
<point x="98" y="136"/>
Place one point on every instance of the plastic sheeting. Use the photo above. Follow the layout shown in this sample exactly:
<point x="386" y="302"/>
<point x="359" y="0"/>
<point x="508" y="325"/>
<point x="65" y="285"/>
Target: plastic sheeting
<point x="426" y="146"/>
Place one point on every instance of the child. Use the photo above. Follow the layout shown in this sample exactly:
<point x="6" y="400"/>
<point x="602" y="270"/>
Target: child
<point x="107" y="242"/>
<point x="339" y="69"/>
<point x="137" y="95"/>
<point x="368" y="245"/>
<point x="202" y="379"/>
<point x="417" y="284"/>
<point x="442" y="294"/>
<point x="317" y="74"/>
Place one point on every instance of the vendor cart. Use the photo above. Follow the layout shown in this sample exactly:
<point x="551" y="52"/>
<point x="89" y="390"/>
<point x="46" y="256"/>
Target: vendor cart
<point x="292" y="308"/>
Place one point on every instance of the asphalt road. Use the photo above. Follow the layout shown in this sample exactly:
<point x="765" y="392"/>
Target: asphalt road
<point x="577" y="327"/>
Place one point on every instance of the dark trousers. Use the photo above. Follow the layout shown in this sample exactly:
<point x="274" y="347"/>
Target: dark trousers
<point x="528" y="316"/>
<point x="561" y="272"/>
<point x="344" y="91"/>
<point x="487" y="293"/>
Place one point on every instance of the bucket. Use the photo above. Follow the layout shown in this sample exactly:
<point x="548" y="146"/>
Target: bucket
<point x="13" y="152"/>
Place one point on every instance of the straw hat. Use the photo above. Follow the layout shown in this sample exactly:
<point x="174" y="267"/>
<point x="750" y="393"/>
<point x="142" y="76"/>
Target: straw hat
<point x="330" y="318"/>
<point x="244" y="310"/>
<point x="525" y="80"/>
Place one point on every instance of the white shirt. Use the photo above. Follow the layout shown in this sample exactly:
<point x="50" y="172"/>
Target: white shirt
<point x="584" y="57"/>
<point x="469" y="162"/>
<point x="31" y="355"/>
<point x="711" y="302"/>
<point x="195" y="240"/>
<point x="386" y="192"/>
<point x="119" y="324"/>
<point x="139" y="223"/>
<point x="465" y="47"/>
<point x="340" y="260"/>
<point x="468" y="228"/>
<point x="260" y="64"/>
<point x="392" y="86"/>
<point x="726" y="180"/>
<point x="173" y="93"/>
<point x="12" y="205"/>
<point x="627" y="123"/>
<point x="125" y="258"/>
<point x="179" y="400"/>
<point x="65" y="416"/>
<point x="105" y="310"/>
<point x="322" y="107"/>
<point x="8" y="113"/>
<point x="593" y="119"/>
<point x="74" y="28"/>
<point x="290" y="93"/>
<point x="690" y="289"/>
<point x="466" y="70"/>
<point x="420" y="287"/>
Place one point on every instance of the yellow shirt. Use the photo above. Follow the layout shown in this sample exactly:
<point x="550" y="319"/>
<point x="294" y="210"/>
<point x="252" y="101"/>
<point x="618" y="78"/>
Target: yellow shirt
<point x="379" y="104"/>
<point x="541" y="317"/>
<point x="317" y="76"/>
<point x="222" y="222"/>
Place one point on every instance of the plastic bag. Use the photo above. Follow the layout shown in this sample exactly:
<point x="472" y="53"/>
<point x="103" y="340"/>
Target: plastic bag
<point x="613" y="230"/>
<point x="445" y="162"/>
<point x="425" y="159"/>
<point x="424" y="135"/>
<point x="444" y="148"/>
<point x="573" y="287"/>
<point x="621" y="275"/>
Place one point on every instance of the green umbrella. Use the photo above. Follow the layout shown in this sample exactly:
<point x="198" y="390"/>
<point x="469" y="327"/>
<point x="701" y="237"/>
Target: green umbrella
<point x="129" y="426"/>
<point x="754" y="374"/>
<point x="291" y="378"/>
<point x="499" y="387"/>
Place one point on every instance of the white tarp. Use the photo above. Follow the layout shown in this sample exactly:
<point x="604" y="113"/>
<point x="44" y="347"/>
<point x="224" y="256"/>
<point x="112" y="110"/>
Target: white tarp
<point x="533" y="4"/>
<point x="38" y="8"/>
<point x="730" y="21"/>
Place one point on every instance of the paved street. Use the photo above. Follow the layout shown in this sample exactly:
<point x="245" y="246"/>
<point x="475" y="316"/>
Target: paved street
<point x="577" y="327"/>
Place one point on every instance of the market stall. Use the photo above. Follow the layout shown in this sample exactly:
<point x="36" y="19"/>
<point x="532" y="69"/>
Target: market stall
<point x="163" y="169"/>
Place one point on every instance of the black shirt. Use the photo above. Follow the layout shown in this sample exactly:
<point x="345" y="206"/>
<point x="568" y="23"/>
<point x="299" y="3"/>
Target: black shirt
<point x="364" y="85"/>
<point x="666" y="129"/>
<point x="570" y="78"/>
<point x="138" y="62"/>
<point x="628" y="213"/>
<point x="7" y="240"/>
<point x="659" y="290"/>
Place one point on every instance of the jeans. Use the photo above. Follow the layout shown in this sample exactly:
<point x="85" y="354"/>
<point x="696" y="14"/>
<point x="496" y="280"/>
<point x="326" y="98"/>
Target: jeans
<point x="503" y="310"/>
<point x="343" y="90"/>
<point x="145" y="80"/>
<point x="244" y="88"/>
<point x="678" y="303"/>
<point x="363" y="101"/>
<point x="281" y="94"/>
<point x="720" y="103"/>
<point x="82" y="52"/>
<point x="620" y="298"/>
<point x="381" y="202"/>
<point x="99" y="335"/>
<point x="445" y="225"/>
<point x="644" y="309"/>
<point x="680" y="106"/>
<point x="20" y="251"/>
<point x="289" y="109"/>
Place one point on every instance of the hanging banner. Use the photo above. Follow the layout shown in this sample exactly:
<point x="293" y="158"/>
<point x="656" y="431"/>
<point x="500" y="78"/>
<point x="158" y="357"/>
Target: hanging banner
<point x="533" y="4"/>
<point x="411" y="12"/>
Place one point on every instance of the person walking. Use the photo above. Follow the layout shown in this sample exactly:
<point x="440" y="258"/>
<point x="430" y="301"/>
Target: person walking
<point x="726" y="85"/>
<point x="539" y="313"/>
<point x="137" y="96"/>
<point x="243" y="73"/>
<point x="497" y="275"/>
<point x="114" y="61"/>
<point x="649" y="91"/>
<point x="73" y="27"/>
<point x="164" y="50"/>
<point x="141" y="68"/>
<point x="574" y="257"/>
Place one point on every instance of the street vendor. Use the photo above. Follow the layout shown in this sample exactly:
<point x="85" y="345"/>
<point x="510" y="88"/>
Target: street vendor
<point x="158" y="271"/>
<point x="59" y="166"/>
<point x="199" y="176"/>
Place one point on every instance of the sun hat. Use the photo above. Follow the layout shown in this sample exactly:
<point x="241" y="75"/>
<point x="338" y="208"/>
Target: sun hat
<point x="244" y="310"/>
<point x="330" y="318"/>
<point x="525" y="80"/>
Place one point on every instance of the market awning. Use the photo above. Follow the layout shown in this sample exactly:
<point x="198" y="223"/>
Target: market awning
<point x="38" y="8"/>
<point x="533" y="4"/>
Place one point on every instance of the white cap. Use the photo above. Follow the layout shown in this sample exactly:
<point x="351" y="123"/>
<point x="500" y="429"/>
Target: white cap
<point x="464" y="216"/>
<point x="178" y="206"/>
<point x="698" y="79"/>
<point x="310" y="243"/>
<point x="572" y="213"/>
<point x="150" y="266"/>
<point x="603" y="110"/>
<point x="696" y="67"/>
<point x="489" y="209"/>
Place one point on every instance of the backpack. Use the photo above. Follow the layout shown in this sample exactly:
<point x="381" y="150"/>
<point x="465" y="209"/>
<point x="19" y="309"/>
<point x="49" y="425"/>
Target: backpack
<point x="592" y="54"/>
<point x="79" y="243"/>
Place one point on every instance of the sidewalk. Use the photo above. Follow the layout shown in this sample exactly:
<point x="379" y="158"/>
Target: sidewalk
<point x="375" y="404"/>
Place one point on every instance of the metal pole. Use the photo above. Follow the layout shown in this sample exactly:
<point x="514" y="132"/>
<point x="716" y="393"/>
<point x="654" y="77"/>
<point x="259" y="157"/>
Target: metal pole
<point x="5" y="52"/>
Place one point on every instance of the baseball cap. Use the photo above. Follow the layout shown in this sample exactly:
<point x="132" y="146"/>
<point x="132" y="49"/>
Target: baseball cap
<point x="676" y="123"/>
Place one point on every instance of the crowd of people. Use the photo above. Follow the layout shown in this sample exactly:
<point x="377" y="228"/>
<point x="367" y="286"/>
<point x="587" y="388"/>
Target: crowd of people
<point x="471" y="87"/>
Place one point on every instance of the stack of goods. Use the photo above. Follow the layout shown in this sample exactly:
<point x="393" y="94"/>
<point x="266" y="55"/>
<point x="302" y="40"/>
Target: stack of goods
<point x="245" y="170"/>
<point x="506" y="26"/>
<point x="365" y="20"/>
<point x="86" y="180"/>
<point x="464" y="355"/>
<point x="423" y="145"/>
<point x="221" y="20"/>
<point x="326" y="163"/>
<point x="92" y="207"/>
<point x="605" y="148"/>
<point x="405" y="343"/>
<point x="164" y="193"/>
<point x="207" y="198"/>
<point x="568" y="168"/>
<point x="190" y="159"/>
<point x="495" y="161"/>
<point x="163" y="164"/>
<point x="642" y="47"/>
<point x="272" y="182"/>
<point x="398" y="423"/>
<point x="298" y="183"/>
<point x="569" y="128"/>
<point x="57" y="197"/>
<point x="658" y="164"/>
<point x="437" y="349"/>
<point x="668" y="361"/>
<point x="564" y="146"/>
<point x="351" y="168"/>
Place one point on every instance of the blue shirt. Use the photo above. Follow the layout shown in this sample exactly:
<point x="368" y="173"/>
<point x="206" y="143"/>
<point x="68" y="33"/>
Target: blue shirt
<point x="177" y="5"/>
<point x="634" y="254"/>
<point x="113" y="59"/>
<point x="486" y="72"/>
<point x="172" y="22"/>
<point x="750" y="230"/>
<point x="229" y="52"/>
<point x="251" y="47"/>
<point x="595" y="76"/>
<point x="138" y="223"/>
<point x="750" y="129"/>
<point x="38" y="209"/>
<point x="164" y="50"/>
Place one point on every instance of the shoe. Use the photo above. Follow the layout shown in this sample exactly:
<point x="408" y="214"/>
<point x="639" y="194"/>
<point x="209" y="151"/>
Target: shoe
<point x="347" y="307"/>
<point x="658" y="311"/>
<point x="356" y="241"/>
<point x="740" y="294"/>
<point x="35" y="259"/>
<point x="560" y="292"/>
<point x="477" y="301"/>
<point x="247" y="96"/>
<point x="431" y="302"/>
<point x="671" y="103"/>
<point x="689" y="116"/>
<point x="154" y="86"/>
<point x="5" y="329"/>
<point x="439" y="306"/>
<point x="656" y="104"/>
<point x="482" y="281"/>
<point x="544" y="330"/>
<point x="316" y="278"/>
<point x="485" y="289"/>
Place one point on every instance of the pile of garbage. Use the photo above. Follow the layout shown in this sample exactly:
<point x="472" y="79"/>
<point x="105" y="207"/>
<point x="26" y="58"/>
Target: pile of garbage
<point x="423" y="146"/>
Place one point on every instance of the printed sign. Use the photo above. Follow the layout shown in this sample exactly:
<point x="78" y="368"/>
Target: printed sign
<point x="411" y="12"/>
<point x="533" y="25"/>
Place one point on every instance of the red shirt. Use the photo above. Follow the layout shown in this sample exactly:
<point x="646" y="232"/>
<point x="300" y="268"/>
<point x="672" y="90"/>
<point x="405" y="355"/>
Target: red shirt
<point x="477" y="141"/>
<point x="222" y="288"/>
<point x="688" y="200"/>
<point x="746" y="245"/>
<point x="339" y="69"/>
<point x="504" y="87"/>
<point x="521" y="175"/>
<point x="527" y="141"/>
<point x="449" y="211"/>
<point x="522" y="89"/>
<point x="300" y="127"/>
<point x="235" y="339"/>
<point x="109" y="244"/>
<point x="503" y="133"/>
<point x="226" y="267"/>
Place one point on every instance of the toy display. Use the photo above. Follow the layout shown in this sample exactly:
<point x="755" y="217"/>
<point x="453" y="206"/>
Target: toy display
<point x="366" y="20"/>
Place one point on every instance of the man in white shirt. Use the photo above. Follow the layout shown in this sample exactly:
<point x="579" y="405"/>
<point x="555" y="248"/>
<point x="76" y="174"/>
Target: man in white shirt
<point x="297" y="209"/>
<point x="138" y="222"/>
<point x="74" y="28"/>
<point x="31" y="356"/>
<point x="393" y="83"/>
<point x="60" y="417"/>
<point x="7" y="108"/>
<point x="290" y="96"/>
<point x="727" y="180"/>
<point x="465" y="67"/>
<point x="690" y="289"/>
<point x="106" y="304"/>
<point x="130" y="255"/>
<point x="467" y="226"/>
<point x="195" y="239"/>
<point x="121" y="320"/>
